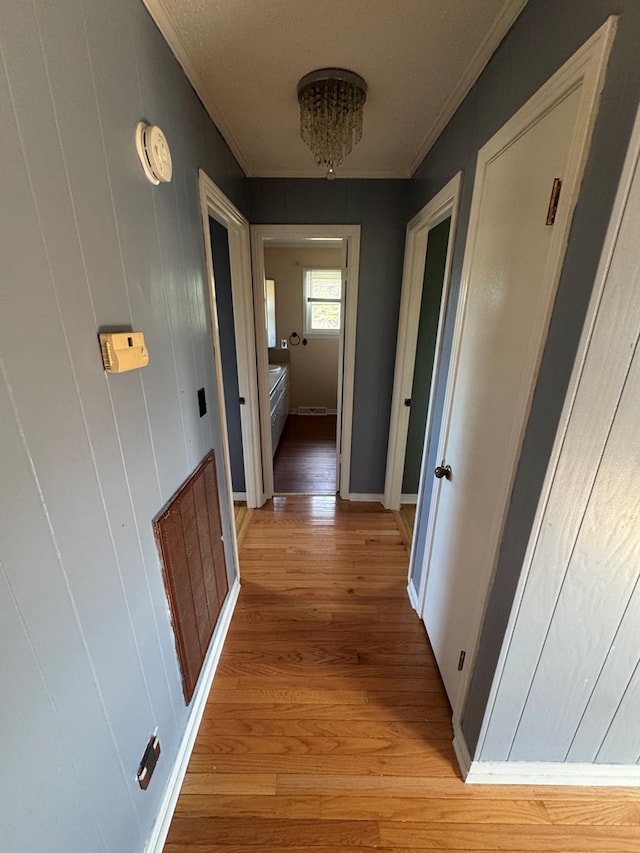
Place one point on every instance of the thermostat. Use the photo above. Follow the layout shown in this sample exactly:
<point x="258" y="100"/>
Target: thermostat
<point x="123" y="351"/>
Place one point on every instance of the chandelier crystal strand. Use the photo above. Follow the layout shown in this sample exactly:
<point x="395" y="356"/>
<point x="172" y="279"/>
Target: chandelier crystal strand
<point x="331" y="105"/>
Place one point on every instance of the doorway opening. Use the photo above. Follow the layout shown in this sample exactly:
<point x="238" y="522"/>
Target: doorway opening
<point x="434" y="277"/>
<point x="226" y="238"/>
<point x="304" y="321"/>
<point x="305" y="286"/>
<point x="221" y="262"/>
<point x="228" y="353"/>
<point x="428" y="254"/>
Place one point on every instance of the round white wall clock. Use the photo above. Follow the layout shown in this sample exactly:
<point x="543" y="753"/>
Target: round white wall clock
<point x="154" y="154"/>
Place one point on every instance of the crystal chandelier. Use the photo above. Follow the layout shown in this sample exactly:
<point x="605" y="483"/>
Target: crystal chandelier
<point x="331" y="102"/>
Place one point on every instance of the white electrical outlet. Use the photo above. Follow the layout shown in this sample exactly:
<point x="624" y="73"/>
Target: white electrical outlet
<point x="283" y="343"/>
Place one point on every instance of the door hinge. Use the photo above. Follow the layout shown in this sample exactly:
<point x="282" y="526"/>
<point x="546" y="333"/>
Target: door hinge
<point x="553" y="201"/>
<point x="407" y="401"/>
<point x="461" y="661"/>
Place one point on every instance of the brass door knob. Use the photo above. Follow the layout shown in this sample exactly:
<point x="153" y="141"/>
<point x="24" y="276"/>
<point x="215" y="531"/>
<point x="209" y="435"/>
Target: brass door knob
<point x="443" y="471"/>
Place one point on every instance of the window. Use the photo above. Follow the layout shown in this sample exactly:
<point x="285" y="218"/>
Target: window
<point x="322" y="302"/>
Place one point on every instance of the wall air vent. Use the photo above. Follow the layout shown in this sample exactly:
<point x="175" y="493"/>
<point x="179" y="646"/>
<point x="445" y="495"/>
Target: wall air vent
<point x="312" y="410"/>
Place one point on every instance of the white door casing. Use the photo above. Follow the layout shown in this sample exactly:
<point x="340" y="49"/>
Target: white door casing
<point x="296" y="234"/>
<point x="214" y="203"/>
<point x="510" y="273"/>
<point x="341" y="344"/>
<point x="441" y="206"/>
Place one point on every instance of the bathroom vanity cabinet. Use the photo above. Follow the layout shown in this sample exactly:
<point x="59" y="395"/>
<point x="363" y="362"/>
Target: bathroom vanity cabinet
<point x="279" y="401"/>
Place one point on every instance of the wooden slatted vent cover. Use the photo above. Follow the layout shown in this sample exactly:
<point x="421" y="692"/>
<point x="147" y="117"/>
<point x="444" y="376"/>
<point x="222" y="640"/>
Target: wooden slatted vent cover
<point x="189" y="536"/>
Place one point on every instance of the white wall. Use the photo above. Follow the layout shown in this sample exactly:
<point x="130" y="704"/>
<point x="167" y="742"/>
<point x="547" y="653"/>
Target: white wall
<point x="314" y="367"/>
<point x="88" y="666"/>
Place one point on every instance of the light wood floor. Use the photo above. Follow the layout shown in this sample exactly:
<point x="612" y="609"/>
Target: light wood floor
<point x="327" y="727"/>
<point x="305" y="461"/>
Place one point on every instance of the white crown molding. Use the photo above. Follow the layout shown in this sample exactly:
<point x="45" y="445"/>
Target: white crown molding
<point x="503" y="23"/>
<point x="317" y="172"/>
<point x="171" y="35"/>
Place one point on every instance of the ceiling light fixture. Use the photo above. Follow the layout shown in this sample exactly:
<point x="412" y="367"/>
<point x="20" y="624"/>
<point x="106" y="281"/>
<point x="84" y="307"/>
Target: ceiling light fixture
<point x="331" y="102"/>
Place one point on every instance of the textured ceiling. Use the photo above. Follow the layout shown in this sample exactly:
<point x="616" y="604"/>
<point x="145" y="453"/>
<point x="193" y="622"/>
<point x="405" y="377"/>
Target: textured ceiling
<point x="419" y="58"/>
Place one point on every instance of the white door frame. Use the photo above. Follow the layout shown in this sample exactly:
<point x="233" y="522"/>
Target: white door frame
<point x="215" y="204"/>
<point x="442" y="206"/>
<point x="586" y="68"/>
<point x="260" y="235"/>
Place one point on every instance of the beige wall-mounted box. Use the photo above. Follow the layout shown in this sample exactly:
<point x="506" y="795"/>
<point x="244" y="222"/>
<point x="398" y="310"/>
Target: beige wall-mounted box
<point x="123" y="351"/>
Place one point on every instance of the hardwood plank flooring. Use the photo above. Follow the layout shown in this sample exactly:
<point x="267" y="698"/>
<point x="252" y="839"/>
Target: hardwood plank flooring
<point x="305" y="461"/>
<point x="327" y="728"/>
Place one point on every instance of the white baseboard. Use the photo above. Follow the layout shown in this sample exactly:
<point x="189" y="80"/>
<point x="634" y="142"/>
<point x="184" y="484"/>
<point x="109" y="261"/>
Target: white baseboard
<point x="413" y="596"/>
<point x="552" y="773"/>
<point x="170" y="797"/>
<point x="542" y="772"/>
<point x="408" y="499"/>
<point x="365" y="498"/>
<point x="240" y="497"/>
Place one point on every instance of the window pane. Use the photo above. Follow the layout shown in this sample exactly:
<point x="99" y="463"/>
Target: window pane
<point x="325" y="284"/>
<point x="325" y="315"/>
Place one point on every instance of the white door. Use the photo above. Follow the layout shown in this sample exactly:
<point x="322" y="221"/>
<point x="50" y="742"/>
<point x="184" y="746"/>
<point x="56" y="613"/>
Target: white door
<point x="512" y="265"/>
<point x="574" y="630"/>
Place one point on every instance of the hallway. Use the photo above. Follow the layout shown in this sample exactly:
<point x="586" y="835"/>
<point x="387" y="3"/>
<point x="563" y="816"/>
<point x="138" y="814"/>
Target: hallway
<point x="327" y="727"/>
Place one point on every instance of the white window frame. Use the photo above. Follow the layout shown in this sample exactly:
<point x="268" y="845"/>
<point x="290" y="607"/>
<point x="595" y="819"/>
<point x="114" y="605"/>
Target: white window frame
<point x="307" y="301"/>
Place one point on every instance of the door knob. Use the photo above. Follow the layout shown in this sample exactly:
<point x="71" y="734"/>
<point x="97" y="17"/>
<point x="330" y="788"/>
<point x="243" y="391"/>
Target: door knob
<point x="443" y="471"/>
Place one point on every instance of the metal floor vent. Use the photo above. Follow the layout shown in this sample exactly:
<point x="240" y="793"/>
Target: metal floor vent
<point x="312" y="410"/>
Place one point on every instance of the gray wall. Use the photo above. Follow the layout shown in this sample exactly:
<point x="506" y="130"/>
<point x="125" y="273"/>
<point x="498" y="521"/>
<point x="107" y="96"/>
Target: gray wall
<point x="544" y="36"/>
<point x="379" y="207"/>
<point x="88" y="666"/>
